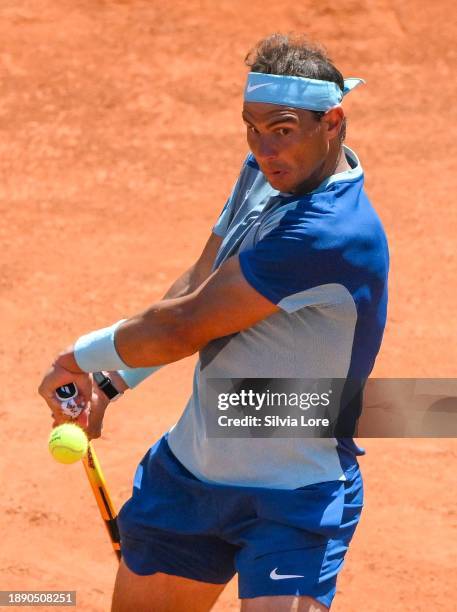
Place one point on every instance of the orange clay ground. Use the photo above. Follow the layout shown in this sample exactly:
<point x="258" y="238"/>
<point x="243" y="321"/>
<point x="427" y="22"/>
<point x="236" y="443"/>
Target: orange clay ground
<point x="120" y="138"/>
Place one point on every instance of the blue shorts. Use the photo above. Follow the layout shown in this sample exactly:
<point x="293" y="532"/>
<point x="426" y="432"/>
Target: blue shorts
<point x="280" y="542"/>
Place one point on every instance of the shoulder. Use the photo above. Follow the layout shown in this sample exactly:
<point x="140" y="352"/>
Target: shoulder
<point x="336" y="225"/>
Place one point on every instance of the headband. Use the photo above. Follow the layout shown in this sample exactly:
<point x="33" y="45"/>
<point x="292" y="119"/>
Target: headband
<point x="298" y="92"/>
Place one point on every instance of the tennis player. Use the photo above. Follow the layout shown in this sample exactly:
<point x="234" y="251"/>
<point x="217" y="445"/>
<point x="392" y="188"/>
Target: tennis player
<point x="292" y="283"/>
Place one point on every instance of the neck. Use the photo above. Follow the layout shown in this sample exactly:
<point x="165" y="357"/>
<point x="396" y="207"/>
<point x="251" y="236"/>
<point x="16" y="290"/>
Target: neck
<point x="334" y="163"/>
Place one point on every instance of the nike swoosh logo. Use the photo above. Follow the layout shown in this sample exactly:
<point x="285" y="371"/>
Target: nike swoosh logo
<point x="275" y="576"/>
<point x="253" y="87"/>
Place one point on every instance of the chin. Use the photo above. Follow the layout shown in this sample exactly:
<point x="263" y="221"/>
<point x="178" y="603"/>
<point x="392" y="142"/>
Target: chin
<point x="284" y="188"/>
<point x="280" y="185"/>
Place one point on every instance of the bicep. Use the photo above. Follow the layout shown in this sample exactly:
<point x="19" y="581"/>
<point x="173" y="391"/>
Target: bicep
<point x="225" y="304"/>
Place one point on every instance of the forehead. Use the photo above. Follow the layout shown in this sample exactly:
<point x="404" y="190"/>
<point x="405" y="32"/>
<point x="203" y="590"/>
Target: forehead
<point x="259" y="112"/>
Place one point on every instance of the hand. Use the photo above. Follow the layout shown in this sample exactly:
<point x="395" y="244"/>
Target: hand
<point x="96" y="413"/>
<point x="99" y="403"/>
<point x="64" y="371"/>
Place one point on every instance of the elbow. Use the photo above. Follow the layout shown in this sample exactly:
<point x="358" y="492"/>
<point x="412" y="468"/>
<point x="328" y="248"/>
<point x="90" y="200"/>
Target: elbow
<point x="181" y="339"/>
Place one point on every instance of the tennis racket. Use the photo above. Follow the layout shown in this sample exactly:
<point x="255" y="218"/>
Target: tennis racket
<point x="96" y="479"/>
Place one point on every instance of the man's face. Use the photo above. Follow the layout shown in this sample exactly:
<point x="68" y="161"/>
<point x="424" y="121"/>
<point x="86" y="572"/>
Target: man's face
<point x="289" y="144"/>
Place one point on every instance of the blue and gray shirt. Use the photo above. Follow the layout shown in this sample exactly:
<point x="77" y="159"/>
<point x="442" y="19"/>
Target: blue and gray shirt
<point x="323" y="259"/>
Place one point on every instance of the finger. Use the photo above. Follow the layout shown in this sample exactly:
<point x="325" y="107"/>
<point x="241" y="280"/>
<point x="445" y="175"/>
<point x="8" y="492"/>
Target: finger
<point x="56" y="410"/>
<point x="97" y="414"/>
<point x="84" y="384"/>
<point x="58" y="376"/>
<point x="54" y="377"/>
<point x="83" y="418"/>
<point x="60" y="420"/>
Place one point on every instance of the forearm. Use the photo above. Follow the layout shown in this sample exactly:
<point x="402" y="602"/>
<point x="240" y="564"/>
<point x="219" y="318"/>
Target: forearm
<point x="150" y="339"/>
<point x="155" y="337"/>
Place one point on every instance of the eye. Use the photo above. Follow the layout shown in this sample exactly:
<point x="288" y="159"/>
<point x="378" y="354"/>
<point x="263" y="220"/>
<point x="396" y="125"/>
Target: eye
<point x="283" y="131"/>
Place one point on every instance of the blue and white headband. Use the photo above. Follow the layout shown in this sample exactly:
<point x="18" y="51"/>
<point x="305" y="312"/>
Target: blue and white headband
<point x="297" y="92"/>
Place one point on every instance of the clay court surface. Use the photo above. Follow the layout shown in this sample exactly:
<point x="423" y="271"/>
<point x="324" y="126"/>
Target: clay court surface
<point x="120" y="138"/>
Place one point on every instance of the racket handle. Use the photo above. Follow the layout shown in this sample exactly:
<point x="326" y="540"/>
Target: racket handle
<point x="68" y="392"/>
<point x="69" y="403"/>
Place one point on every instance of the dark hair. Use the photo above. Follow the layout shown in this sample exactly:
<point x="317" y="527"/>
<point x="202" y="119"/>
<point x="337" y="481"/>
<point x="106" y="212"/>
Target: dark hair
<point x="295" y="55"/>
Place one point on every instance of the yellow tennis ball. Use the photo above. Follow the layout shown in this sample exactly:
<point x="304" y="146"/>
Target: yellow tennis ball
<point x="68" y="443"/>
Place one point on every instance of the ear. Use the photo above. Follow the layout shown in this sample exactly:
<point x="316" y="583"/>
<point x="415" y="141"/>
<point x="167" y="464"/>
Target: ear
<point x="332" y="121"/>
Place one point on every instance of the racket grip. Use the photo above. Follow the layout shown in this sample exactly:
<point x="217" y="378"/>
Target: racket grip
<point x="68" y="397"/>
<point x="67" y="392"/>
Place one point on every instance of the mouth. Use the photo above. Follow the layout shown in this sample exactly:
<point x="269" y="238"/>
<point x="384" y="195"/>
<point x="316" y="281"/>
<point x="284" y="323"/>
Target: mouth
<point x="276" y="173"/>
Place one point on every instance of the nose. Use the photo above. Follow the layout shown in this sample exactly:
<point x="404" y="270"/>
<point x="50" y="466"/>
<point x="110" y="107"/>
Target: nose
<point x="265" y="149"/>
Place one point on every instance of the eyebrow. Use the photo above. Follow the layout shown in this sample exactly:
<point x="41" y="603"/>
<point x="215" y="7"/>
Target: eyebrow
<point x="290" y="119"/>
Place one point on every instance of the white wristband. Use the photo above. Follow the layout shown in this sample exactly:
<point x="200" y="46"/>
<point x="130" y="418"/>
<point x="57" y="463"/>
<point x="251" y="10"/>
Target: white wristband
<point x="134" y="377"/>
<point x="96" y="351"/>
